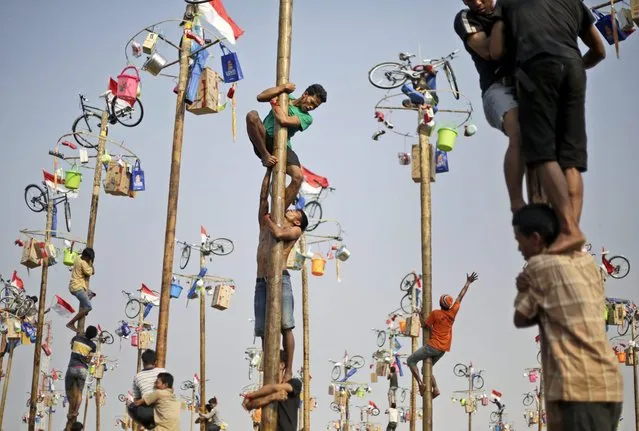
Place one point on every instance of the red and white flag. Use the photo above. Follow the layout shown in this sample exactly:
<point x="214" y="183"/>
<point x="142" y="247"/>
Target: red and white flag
<point x="17" y="281"/>
<point x="496" y="395"/>
<point x="216" y="15"/>
<point x="203" y="234"/>
<point x="56" y="183"/>
<point x="196" y="380"/>
<point x="148" y="295"/>
<point x="62" y="307"/>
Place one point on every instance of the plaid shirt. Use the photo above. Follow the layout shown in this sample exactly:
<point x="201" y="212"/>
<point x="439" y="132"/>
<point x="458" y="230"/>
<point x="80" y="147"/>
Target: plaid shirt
<point x="565" y="294"/>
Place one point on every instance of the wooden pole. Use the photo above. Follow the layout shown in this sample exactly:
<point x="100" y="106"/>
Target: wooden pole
<point x="202" y="346"/>
<point x="425" y="155"/>
<point x="50" y="419"/>
<point x="98" y="384"/>
<point x="541" y="401"/>
<point x="414" y="346"/>
<point x="86" y="405"/>
<point x="347" y="410"/>
<point x="471" y="400"/>
<point x="174" y="189"/>
<point x="42" y="302"/>
<point x="634" y="372"/>
<point x="274" y="293"/>
<point x="306" y="388"/>
<point x="5" y="386"/>
<point x="134" y="425"/>
<point x="95" y="194"/>
<point x="192" y="407"/>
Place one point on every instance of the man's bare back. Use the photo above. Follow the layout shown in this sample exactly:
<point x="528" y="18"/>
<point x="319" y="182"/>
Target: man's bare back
<point x="264" y="245"/>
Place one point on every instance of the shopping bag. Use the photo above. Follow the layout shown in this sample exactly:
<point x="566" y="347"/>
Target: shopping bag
<point x="231" y="69"/>
<point x="137" y="177"/>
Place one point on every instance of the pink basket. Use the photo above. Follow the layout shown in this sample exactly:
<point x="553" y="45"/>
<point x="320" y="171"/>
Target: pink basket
<point x="532" y="377"/>
<point x="128" y="85"/>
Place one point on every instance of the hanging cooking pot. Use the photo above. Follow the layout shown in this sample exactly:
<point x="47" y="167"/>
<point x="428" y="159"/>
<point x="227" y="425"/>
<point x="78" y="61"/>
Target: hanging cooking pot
<point x="343" y="253"/>
<point x="154" y="64"/>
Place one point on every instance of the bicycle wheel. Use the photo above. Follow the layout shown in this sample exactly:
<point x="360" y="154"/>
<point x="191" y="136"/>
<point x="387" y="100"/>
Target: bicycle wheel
<point x="539" y="356"/>
<point x="185" y="256"/>
<point x="6" y="302"/>
<point x="375" y="411"/>
<point x="122" y="398"/>
<point x="82" y="131"/>
<point x="452" y="80"/>
<point x="336" y="372"/>
<point x="528" y="400"/>
<point x="408" y="282"/>
<point x="67" y="214"/>
<point x="387" y="75"/>
<point x="125" y="114"/>
<point x="381" y="338"/>
<point x="186" y="385"/>
<point x="334" y="407"/>
<point x="478" y="381"/>
<point x="460" y="370"/>
<point x="622" y="267"/>
<point x="35" y="198"/>
<point x="313" y="211"/>
<point x="222" y="246"/>
<point x="132" y="308"/>
<point x="23" y="308"/>
<point x="356" y="361"/>
<point x="494" y="417"/>
<point x="106" y="337"/>
<point x="406" y="303"/>
<point x="623" y="328"/>
<point x="402" y="395"/>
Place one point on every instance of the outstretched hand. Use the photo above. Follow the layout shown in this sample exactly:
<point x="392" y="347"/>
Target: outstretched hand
<point x="472" y="277"/>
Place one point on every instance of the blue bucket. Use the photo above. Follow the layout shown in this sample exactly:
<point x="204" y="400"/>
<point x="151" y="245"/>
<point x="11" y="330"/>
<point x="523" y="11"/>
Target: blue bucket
<point x="176" y="290"/>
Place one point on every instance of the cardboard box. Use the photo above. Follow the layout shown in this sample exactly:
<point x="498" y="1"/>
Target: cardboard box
<point x="222" y="296"/>
<point x="118" y="180"/>
<point x="207" y="98"/>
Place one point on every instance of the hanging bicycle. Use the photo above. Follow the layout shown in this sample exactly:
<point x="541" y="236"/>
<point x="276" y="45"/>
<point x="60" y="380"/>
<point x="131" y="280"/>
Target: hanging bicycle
<point x="217" y="246"/>
<point x="37" y="199"/>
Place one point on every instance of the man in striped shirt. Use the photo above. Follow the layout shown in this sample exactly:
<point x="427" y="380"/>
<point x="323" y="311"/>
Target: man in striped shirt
<point x="143" y="384"/>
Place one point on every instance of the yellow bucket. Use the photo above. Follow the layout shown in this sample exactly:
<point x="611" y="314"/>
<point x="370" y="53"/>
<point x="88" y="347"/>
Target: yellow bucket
<point x="317" y="265"/>
<point x="446" y="137"/>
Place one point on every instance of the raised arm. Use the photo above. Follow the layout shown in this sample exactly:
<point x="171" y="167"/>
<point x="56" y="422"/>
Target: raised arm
<point x="269" y="93"/>
<point x="469" y="280"/>
<point x="263" y="210"/>
<point x="291" y="233"/>
<point x="284" y="119"/>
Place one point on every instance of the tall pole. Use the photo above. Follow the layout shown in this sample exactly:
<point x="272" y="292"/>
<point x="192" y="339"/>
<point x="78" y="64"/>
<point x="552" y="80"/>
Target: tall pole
<point x="471" y="400"/>
<point x="414" y="346"/>
<point x="192" y="406"/>
<point x="347" y="410"/>
<point x="174" y="190"/>
<point x="306" y="375"/>
<point x="274" y="293"/>
<point x="42" y="302"/>
<point x="634" y="372"/>
<point x="95" y="194"/>
<point x="425" y="156"/>
<point x="98" y="384"/>
<point x="86" y="405"/>
<point x="541" y="401"/>
<point x="134" y="425"/>
<point x="5" y="386"/>
<point x="202" y="345"/>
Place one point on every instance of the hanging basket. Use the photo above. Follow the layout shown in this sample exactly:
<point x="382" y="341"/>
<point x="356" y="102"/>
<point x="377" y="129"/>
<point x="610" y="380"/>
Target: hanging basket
<point x="128" y="85"/>
<point x="72" y="178"/>
<point x="318" y="264"/>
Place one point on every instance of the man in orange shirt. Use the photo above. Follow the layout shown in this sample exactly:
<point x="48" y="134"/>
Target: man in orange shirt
<point x="440" y="324"/>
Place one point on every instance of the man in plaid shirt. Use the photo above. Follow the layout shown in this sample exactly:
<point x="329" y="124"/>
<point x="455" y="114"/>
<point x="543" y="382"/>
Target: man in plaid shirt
<point x="564" y="295"/>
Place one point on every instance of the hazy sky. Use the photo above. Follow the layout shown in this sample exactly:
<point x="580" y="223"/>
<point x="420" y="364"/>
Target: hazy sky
<point x="62" y="49"/>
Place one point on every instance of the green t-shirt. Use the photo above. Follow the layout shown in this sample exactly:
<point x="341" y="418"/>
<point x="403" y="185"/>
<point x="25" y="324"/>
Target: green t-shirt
<point x="293" y="111"/>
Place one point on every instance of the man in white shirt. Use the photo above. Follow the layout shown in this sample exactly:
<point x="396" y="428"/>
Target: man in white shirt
<point x="143" y="384"/>
<point x="393" y="417"/>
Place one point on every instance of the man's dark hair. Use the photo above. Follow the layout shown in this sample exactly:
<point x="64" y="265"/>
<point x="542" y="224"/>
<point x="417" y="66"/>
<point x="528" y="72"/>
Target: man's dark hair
<point x="91" y="332"/>
<point x="317" y="90"/>
<point x="394" y="406"/>
<point x="77" y="426"/>
<point x="283" y="356"/>
<point x="537" y="218"/>
<point x="33" y="298"/>
<point x="392" y="369"/>
<point x="166" y="378"/>
<point x="303" y="220"/>
<point x="88" y="253"/>
<point x="149" y="357"/>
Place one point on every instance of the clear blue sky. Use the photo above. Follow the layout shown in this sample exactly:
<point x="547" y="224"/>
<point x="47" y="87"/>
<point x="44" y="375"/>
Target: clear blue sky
<point x="56" y="51"/>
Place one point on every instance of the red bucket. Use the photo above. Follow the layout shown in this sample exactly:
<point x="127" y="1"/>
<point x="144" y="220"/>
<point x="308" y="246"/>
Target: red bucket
<point x="128" y="85"/>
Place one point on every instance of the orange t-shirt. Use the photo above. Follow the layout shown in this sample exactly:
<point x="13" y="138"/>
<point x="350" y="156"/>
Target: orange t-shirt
<point x="440" y="323"/>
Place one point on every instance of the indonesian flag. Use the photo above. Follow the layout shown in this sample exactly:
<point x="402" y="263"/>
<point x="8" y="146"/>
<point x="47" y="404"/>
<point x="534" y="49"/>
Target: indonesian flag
<point x="496" y="395"/>
<point x="148" y="295"/>
<point x="313" y="183"/>
<point x="203" y="234"/>
<point x="17" y="281"/>
<point x="372" y="405"/>
<point x="57" y="183"/>
<point x="62" y="307"/>
<point x="537" y="339"/>
<point x="216" y="15"/>
<point x="196" y="380"/>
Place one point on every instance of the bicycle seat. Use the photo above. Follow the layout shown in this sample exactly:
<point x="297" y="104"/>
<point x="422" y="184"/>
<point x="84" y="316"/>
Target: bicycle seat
<point x="403" y="56"/>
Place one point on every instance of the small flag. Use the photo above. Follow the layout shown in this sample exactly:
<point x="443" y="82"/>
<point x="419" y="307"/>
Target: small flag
<point x="57" y="183"/>
<point x="196" y="379"/>
<point x="496" y="395"/>
<point x="62" y="307"/>
<point x="216" y="15"/>
<point x="203" y="234"/>
<point x="17" y="281"/>
<point x="148" y="295"/>
<point x="537" y="339"/>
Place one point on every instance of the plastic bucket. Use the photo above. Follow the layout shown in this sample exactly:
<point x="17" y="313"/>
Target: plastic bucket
<point x="446" y="137"/>
<point x="621" y="356"/>
<point x="128" y="85"/>
<point x="176" y="290"/>
<point x="318" y="263"/>
<point x="402" y="326"/>
<point x="532" y="377"/>
<point x="72" y="179"/>
<point x="69" y="257"/>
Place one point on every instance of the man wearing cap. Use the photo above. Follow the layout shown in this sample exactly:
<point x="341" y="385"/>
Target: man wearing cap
<point x="440" y="325"/>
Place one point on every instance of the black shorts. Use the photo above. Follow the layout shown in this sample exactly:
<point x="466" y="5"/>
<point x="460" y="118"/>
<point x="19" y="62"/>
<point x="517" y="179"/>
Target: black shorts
<point x="583" y="416"/>
<point x="552" y="116"/>
<point x="291" y="156"/>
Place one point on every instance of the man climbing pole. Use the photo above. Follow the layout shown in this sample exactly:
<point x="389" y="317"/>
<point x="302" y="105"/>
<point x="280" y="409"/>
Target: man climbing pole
<point x="295" y="223"/>
<point x="440" y="324"/>
<point x="82" y="350"/>
<point x="474" y="26"/>
<point x="79" y="285"/>
<point x="298" y="119"/>
<point x="551" y="79"/>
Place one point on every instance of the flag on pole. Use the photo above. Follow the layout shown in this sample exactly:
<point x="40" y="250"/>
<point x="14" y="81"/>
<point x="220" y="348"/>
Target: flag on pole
<point x="496" y="395"/>
<point x="203" y="234"/>
<point x="216" y="15"/>
<point x="148" y="295"/>
<point x="17" y="281"/>
<point x="196" y="380"/>
<point x="62" y="307"/>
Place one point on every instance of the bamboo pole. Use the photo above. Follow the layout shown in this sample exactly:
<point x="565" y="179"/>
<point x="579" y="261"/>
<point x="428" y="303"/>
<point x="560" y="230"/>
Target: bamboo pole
<point x="471" y="400"/>
<point x="541" y="401"/>
<point x="274" y="292"/>
<point x="306" y="394"/>
<point x="134" y="425"/>
<point x="202" y="345"/>
<point x="98" y="384"/>
<point x="634" y="372"/>
<point x="37" y="351"/>
<point x="192" y="407"/>
<point x="414" y="346"/>
<point x="50" y="419"/>
<point x="425" y="155"/>
<point x="5" y="386"/>
<point x="172" y="204"/>
<point x="95" y="194"/>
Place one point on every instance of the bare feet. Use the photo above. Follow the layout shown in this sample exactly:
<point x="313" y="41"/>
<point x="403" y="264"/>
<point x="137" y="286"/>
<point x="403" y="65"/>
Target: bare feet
<point x="435" y="393"/>
<point x="72" y="327"/>
<point x="288" y="375"/>
<point x="516" y="205"/>
<point x="269" y="161"/>
<point x="91" y="295"/>
<point x="422" y="389"/>
<point x="567" y="242"/>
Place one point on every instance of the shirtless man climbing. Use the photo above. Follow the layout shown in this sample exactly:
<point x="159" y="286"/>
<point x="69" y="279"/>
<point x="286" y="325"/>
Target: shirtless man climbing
<point x="295" y="223"/>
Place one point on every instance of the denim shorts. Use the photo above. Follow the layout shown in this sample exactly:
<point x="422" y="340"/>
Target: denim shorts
<point x="259" y="304"/>
<point x="498" y="100"/>
<point x="83" y="297"/>
<point x="75" y="377"/>
<point x="424" y="352"/>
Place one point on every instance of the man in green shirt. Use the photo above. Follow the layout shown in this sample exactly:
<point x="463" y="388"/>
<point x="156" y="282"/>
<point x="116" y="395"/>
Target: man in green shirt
<point x="298" y="119"/>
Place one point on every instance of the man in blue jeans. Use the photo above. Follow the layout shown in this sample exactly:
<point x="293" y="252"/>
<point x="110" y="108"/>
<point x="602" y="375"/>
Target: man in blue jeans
<point x="79" y="285"/>
<point x="295" y="223"/>
<point x="82" y="349"/>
